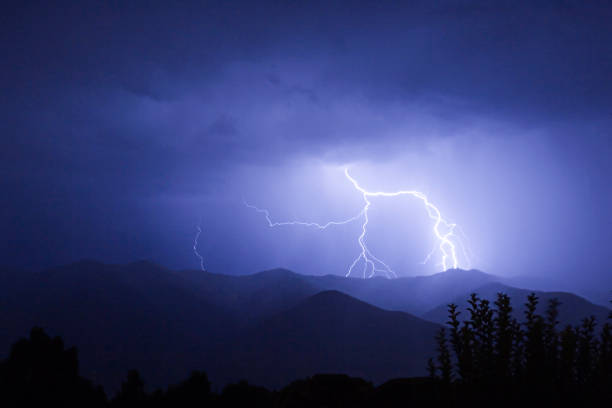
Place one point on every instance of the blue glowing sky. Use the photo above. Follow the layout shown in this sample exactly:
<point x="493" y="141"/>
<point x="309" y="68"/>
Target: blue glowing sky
<point x="123" y="126"/>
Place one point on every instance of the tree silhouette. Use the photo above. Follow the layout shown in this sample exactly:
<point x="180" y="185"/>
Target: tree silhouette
<point x="40" y="370"/>
<point x="567" y="357"/>
<point x="444" y="357"/>
<point x="503" y="361"/>
<point x="503" y="336"/>
<point x="534" y="342"/>
<point x="193" y="392"/>
<point x="551" y="340"/>
<point x="490" y="359"/>
<point x="587" y="349"/>
<point x="431" y="369"/>
<point x="132" y="391"/>
<point x="244" y="394"/>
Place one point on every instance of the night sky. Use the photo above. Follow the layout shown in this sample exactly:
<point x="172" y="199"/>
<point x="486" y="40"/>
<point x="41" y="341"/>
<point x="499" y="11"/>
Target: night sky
<point x="123" y="128"/>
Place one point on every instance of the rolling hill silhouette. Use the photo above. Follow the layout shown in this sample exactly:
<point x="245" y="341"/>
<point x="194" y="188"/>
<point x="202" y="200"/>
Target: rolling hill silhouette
<point x="251" y="297"/>
<point x="415" y="295"/>
<point x="331" y="332"/>
<point x="280" y="288"/>
<point x="166" y="323"/>
<point x="120" y="317"/>
<point x="572" y="310"/>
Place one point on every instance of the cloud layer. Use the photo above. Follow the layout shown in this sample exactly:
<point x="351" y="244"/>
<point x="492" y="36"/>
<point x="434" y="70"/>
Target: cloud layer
<point x="123" y="126"/>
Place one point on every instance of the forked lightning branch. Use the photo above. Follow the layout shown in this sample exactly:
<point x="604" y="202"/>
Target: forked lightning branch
<point x="447" y="241"/>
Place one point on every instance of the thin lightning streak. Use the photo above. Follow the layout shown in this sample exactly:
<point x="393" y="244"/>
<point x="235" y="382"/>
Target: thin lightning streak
<point x="305" y="224"/>
<point x="429" y="255"/>
<point x="446" y="246"/>
<point x="466" y="249"/>
<point x="372" y="264"/>
<point x="195" y="246"/>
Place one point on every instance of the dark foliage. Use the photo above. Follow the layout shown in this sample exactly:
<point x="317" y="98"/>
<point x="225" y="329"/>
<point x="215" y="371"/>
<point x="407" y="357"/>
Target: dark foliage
<point x="39" y="370"/>
<point x="259" y="327"/>
<point x="326" y="390"/>
<point x="500" y="361"/>
<point x="489" y="359"/>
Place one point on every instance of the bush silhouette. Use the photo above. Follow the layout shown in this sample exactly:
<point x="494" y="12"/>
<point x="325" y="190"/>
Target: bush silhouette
<point x="497" y="359"/>
<point x="40" y="370"/>
<point x="489" y="359"/>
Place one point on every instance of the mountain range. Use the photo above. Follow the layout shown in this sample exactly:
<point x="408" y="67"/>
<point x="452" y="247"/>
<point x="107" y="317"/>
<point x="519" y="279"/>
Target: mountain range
<point x="270" y="327"/>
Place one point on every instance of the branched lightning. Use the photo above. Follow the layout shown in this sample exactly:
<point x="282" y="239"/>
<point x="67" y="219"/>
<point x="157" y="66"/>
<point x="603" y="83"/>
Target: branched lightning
<point x="444" y="231"/>
<point x="195" y="246"/>
<point x="302" y="223"/>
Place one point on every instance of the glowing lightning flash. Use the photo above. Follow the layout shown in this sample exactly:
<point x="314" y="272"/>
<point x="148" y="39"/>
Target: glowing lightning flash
<point x="446" y="246"/>
<point x="195" y="246"/>
<point x="371" y="264"/>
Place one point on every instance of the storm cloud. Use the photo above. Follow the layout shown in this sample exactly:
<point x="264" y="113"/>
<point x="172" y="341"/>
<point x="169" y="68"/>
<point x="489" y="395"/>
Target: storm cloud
<point x="124" y="125"/>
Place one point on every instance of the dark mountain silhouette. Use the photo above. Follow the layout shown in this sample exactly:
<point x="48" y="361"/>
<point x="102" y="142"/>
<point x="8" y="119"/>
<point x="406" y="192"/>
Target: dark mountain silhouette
<point x="167" y="323"/>
<point x="599" y="295"/>
<point x="278" y="289"/>
<point x="331" y="332"/>
<point x="252" y="297"/>
<point x="572" y="310"/>
<point x="144" y="316"/>
<point x="265" y="293"/>
<point x="120" y="317"/>
<point x="415" y="295"/>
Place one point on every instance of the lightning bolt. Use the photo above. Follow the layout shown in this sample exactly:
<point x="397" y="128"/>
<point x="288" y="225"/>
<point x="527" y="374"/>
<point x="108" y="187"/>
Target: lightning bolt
<point x="195" y="246"/>
<point x="444" y="231"/>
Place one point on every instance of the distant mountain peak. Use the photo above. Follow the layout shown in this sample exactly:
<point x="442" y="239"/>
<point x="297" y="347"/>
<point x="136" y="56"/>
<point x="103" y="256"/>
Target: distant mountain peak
<point x="334" y="295"/>
<point x="277" y="272"/>
<point x="464" y="273"/>
<point x="145" y="264"/>
<point x="334" y="301"/>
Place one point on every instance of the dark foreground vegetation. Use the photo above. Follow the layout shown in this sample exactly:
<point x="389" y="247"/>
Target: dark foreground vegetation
<point x="492" y="358"/>
<point x="489" y="359"/>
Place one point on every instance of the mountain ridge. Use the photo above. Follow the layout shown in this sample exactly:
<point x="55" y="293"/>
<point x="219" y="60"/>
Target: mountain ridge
<point x="331" y="332"/>
<point x="165" y="322"/>
<point x="572" y="310"/>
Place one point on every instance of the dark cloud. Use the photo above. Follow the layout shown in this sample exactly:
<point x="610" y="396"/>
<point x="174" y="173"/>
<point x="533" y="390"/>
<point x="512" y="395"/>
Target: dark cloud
<point x="129" y="121"/>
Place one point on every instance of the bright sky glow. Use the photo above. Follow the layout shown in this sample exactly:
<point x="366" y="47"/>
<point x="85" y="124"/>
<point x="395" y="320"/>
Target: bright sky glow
<point x="447" y="240"/>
